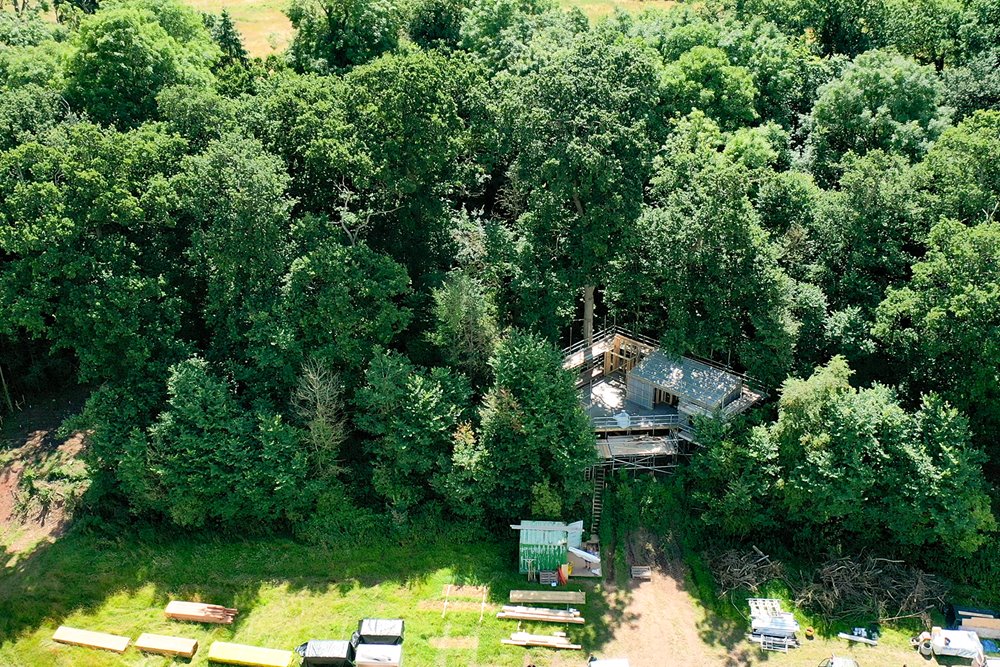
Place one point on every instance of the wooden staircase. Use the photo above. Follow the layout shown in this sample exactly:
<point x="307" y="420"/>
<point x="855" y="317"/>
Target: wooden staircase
<point x="596" y="503"/>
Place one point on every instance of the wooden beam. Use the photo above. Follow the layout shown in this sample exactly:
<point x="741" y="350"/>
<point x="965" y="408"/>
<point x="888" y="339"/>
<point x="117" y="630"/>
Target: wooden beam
<point x="164" y="645"/>
<point x="88" y="639"/>
<point x="549" y="597"/>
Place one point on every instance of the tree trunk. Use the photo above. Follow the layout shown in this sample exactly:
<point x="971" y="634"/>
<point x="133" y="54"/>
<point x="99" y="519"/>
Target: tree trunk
<point x="588" y="314"/>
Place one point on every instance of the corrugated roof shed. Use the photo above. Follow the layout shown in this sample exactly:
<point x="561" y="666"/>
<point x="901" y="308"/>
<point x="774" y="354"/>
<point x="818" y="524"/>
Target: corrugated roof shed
<point x="689" y="379"/>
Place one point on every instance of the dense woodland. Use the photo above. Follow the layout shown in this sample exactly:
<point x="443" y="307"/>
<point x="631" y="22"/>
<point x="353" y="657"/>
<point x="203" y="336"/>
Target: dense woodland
<point x="325" y="292"/>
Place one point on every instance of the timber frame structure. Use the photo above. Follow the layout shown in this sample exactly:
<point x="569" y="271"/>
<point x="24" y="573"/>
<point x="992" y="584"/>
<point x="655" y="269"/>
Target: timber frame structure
<point x="641" y="400"/>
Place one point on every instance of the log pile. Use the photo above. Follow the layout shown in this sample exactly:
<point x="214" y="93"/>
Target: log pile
<point x="541" y="614"/>
<point x="871" y="587"/>
<point x="200" y="612"/>
<point x="744" y="570"/>
<point x="557" y="640"/>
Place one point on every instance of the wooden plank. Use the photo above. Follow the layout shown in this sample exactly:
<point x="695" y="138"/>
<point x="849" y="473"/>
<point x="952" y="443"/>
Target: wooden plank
<point x="549" y="597"/>
<point x="250" y="656"/>
<point x="855" y="638"/>
<point x="88" y="639"/>
<point x="973" y="622"/>
<point x="578" y="620"/>
<point x="547" y="641"/>
<point x="569" y="613"/>
<point x="164" y="645"/>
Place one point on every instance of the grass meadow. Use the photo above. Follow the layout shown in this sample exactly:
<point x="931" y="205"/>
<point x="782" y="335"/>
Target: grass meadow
<point x="286" y="592"/>
<point x="266" y="29"/>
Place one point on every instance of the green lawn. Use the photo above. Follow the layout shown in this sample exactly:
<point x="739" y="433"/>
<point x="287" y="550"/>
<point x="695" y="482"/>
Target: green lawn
<point x="286" y="592"/>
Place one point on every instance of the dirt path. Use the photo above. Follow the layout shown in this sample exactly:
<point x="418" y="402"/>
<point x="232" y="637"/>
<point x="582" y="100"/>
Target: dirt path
<point x="660" y="624"/>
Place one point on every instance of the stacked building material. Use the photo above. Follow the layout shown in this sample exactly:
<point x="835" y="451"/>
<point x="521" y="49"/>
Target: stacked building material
<point x="541" y="614"/>
<point x="548" y="597"/>
<point x="249" y="656"/>
<point x="200" y="612"/>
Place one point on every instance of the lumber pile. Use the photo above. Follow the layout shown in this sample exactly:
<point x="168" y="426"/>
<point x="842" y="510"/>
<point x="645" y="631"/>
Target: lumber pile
<point x="199" y="612"/>
<point x="164" y="645"/>
<point x="88" y="639"/>
<point x="249" y="656"/>
<point x="541" y="614"/>
<point x="548" y="597"/>
<point x="557" y="640"/>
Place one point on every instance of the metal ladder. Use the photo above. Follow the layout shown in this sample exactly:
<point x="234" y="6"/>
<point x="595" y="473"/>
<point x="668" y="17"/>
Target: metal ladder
<point x="596" y="504"/>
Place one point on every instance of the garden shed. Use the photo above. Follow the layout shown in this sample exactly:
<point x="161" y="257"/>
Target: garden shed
<point x="544" y="545"/>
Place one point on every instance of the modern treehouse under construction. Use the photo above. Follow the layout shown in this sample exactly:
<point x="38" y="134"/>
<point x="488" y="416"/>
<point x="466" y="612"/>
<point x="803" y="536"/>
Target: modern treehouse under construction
<point x="642" y="400"/>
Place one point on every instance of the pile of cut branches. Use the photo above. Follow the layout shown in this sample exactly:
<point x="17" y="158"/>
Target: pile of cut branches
<point x="744" y="570"/>
<point x="870" y="587"/>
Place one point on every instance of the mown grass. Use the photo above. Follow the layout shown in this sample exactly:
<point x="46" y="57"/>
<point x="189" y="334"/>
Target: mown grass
<point x="267" y="30"/>
<point x="286" y="592"/>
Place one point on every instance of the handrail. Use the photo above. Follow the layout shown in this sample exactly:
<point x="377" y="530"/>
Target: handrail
<point x="605" y="334"/>
<point x="603" y="423"/>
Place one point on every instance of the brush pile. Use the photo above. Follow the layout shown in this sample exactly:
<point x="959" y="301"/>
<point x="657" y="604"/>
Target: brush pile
<point x="744" y="570"/>
<point x="870" y="588"/>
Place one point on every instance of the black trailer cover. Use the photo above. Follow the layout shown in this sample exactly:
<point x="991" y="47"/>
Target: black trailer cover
<point x="328" y="653"/>
<point x="380" y="631"/>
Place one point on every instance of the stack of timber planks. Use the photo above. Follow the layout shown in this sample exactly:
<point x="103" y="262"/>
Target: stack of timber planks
<point x="199" y="612"/>
<point x="163" y="645"/>
<point x="546" y="641"/>
<point x="541" y="614"/>
<point x="88" y="639"/>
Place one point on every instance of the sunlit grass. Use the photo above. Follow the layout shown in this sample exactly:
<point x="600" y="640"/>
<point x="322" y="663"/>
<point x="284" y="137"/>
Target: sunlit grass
<point x="267" y="30"/>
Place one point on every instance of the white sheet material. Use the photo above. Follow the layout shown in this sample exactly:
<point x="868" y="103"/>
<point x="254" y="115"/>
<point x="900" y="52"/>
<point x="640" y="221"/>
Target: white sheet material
<point x="585" y="555"/>
<point x="959" y="643"/>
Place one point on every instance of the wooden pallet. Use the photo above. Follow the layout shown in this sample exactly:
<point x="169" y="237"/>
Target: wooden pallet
<point x="88" y="639"/>
<point x="547" y="641"/>
<point x="164" y="645"/>
<point x="548" y="597"/>
<point x="199" y="612"/>
<point x="548" y="577"/>
<point x="642" y="572"/>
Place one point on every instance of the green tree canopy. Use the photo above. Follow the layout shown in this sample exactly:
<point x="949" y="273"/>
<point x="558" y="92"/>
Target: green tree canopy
<point x="123" y="56"/>
<point x="943" y="325"/>
<point x="882" y="100"/>
<point x="334" y="35"/>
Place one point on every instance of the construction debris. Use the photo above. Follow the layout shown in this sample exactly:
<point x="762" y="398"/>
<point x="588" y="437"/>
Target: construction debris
<point x="877" y="588"/>
<point x="541" y="614"/>
<point x="199" y="612"/>
<point x="88" y="639"/>
<point x="557" y="640"/>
